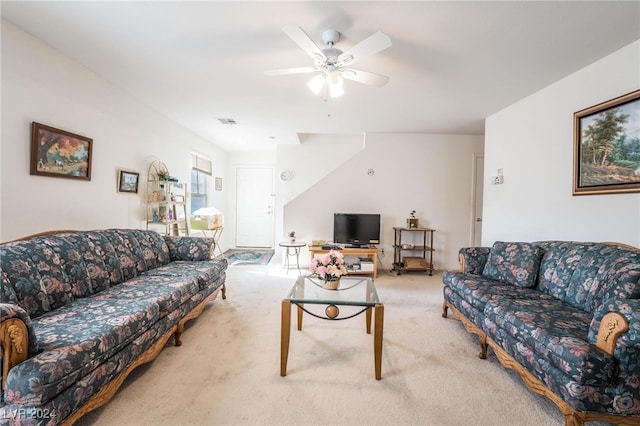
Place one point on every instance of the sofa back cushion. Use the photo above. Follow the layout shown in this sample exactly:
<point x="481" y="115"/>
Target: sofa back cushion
<point x="558" y="263"/>
<point x="605" y="271"/>
<point x="69" y="248"/>
<point x="586" y="274"/>
<point x="36" y="275"/>
<point x="7" y="293"/>
<point x="514" y="263"/>
<point x="153" y="249"/>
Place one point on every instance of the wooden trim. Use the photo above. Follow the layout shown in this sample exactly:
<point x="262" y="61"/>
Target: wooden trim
<point x="621" y="245"/>
<point x="462" y="262"/>
<point x="109" y="390"/>
<point x="571" y="417"/>
<point x="194" y="313"/>
<point x="14" y="340"/>
<point x="42" y="234"/>
<point x="469" y="326"/>
<point x="612" y="326"/>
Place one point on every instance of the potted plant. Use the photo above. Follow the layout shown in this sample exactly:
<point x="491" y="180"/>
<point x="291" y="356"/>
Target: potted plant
<point x="412" y="220"/>
<point x="329" y="268"/>
<point x="292" y="236"/>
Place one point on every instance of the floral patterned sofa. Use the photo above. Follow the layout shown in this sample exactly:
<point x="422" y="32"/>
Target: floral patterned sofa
<point x="564" y="315"/>
<point x="80" y="310"/>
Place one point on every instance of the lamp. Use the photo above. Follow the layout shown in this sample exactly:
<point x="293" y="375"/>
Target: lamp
<point x="327" y="82"/>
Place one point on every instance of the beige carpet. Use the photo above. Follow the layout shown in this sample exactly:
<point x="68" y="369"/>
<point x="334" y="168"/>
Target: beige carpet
<point x="227" y="370"/>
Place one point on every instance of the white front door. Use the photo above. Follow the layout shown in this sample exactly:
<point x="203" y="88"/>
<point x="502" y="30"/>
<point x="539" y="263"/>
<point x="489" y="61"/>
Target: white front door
<point x="254" y="207"/>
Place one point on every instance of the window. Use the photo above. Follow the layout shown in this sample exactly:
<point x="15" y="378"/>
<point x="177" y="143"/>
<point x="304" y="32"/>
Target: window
<point x="200" y="181"/>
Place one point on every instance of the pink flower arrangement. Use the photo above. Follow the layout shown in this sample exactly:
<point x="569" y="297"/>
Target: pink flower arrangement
<point x="329" y="266"/>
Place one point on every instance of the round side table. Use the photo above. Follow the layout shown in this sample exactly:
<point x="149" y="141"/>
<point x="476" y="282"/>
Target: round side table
<point x="293" y="249"/>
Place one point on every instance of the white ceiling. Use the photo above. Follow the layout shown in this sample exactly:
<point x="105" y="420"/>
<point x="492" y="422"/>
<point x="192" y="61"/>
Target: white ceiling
<point x="451" y="64"/>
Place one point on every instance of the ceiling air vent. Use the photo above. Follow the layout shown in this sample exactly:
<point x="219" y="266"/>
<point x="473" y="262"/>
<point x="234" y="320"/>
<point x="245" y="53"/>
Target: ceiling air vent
<point x="229" y="121"/>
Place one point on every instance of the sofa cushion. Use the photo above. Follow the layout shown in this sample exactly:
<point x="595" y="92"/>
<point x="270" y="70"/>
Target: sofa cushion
<point x="604" y="271"/>
<point x="98" y="256"/>
<point x="204" y="272"/>
<point x="7" y="294"/>
<point x="193" y="248"/>
<point x="168" y="292"/>
<point x="554" y="331"/>
<point x="35" y="272"/>
<point x="558" y="265"/>
<point x="74" y="340"/>
<point x="479" y="290"/>
<point x="127" y="260"/>
<point x="513" y="263"/>
<point x="69" y="249"/>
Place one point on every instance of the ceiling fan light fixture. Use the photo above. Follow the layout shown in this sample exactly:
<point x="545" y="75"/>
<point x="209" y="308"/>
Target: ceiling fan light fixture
<point x="336" y="90"/>
<point x="316" y="84"/>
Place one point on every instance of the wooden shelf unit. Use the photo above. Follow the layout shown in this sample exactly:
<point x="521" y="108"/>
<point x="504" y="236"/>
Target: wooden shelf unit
<point x="370" y="252"/>
<point x="422" y="259"/>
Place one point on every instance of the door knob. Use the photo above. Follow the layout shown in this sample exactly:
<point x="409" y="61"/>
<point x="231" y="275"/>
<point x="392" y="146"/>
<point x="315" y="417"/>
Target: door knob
<point x="478" y="219"/>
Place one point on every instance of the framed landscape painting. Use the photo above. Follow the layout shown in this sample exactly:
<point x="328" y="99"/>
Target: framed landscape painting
<point x="128" y="181"/>
<point x="606" y="153"/>
<point x="58" y="153"/>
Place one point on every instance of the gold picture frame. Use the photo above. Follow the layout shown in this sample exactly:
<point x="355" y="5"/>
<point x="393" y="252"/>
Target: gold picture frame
<point x="606" y="152"/>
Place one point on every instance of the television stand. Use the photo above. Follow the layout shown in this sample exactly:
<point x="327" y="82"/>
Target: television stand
<point x="370" y="251"/>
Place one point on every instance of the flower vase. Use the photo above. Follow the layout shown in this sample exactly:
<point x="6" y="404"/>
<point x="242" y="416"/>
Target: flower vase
<point x="331" y="284"/>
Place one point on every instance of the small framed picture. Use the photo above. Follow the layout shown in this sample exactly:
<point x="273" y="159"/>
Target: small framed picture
<point x="218" y="184"/>
<point x="128" y="181"/>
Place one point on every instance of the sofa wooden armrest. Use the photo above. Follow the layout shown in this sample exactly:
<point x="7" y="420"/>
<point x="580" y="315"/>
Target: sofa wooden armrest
<point x="14" y="342"/>
<point x="612" y="326"/>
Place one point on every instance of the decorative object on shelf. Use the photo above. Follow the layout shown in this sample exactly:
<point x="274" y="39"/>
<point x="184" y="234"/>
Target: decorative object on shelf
<point x="604" y="161"/>
<point x="329" y="267"/>
<point x="128" y="181"/>
<point x="218" y="184"/>
<point x="412" y="220"/>
<point x="292" y="236"/>
<point x="57" y="153"/>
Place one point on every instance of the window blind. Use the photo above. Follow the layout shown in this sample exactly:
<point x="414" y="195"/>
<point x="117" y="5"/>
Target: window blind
<point x="201" y="164"/>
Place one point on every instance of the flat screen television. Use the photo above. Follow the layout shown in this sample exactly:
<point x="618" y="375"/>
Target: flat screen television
<point x="356" y="229"/>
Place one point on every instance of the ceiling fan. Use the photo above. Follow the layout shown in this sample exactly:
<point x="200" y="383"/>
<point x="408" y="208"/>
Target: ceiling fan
<point x="332" y="64"/>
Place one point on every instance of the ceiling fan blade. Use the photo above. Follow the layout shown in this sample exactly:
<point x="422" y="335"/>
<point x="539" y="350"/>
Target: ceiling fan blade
<point x="287" y="71"/>
<point x="301" y="38"/>
<point x="365" y="77"/>
<point x="370" y="45"/>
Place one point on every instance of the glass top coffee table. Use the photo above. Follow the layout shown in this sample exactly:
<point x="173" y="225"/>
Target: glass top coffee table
<point x="354" y="296"/>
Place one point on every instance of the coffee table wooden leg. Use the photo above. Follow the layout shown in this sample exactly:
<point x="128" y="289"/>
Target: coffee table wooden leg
<point x="368" y="315"/>
<point x="285" y="333"/>
<point x="377" y="339"/>
<point x="300" y="311"/>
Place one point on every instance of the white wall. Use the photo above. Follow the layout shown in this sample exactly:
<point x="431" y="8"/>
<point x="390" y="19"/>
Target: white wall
<point x="40" y="84"/>
<point x="429" y="173"/>
<point x="532" y="140"/>
<point x="308" y="163"/>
